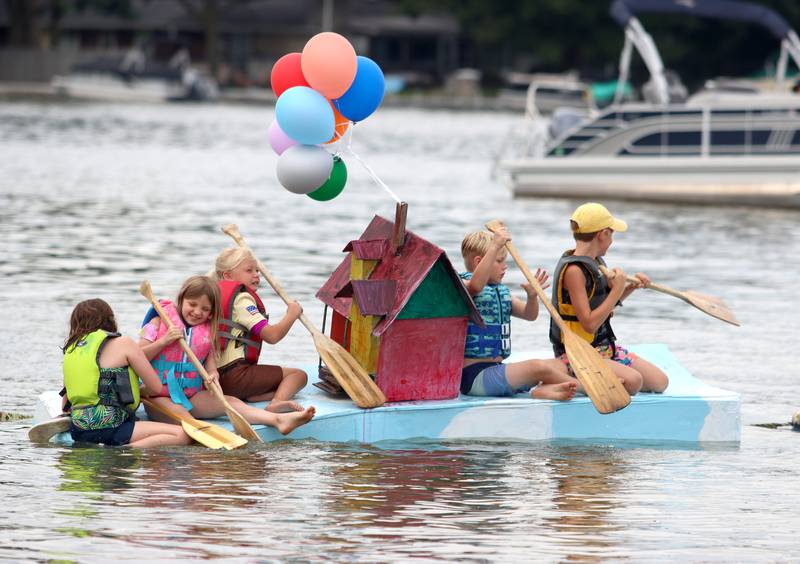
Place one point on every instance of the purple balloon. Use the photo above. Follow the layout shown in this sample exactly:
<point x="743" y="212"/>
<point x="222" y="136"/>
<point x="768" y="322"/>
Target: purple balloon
<point x="278" y="140"/>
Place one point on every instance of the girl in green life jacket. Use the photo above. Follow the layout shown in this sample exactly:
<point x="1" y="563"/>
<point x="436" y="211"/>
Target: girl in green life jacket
<point x="101" y="379"/>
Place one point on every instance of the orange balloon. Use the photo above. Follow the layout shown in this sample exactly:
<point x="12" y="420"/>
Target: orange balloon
<point x="329" y="64"/>
<point x="341" y="125"/>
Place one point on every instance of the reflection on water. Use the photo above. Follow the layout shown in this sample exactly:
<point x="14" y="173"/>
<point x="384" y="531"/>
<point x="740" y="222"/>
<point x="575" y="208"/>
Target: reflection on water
<point x="94" y="198"/>
<point x="587" y="487"/>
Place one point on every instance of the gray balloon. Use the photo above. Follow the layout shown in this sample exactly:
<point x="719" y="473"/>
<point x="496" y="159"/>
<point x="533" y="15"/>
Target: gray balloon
<point x="304" y="168"/>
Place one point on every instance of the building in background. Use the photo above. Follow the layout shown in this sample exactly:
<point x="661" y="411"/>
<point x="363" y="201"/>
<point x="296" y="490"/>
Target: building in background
<point x="235" y="41"/>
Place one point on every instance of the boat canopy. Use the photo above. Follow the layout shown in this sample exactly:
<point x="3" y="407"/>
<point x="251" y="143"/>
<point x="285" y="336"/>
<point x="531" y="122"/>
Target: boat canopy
<point x="624" y="12"/>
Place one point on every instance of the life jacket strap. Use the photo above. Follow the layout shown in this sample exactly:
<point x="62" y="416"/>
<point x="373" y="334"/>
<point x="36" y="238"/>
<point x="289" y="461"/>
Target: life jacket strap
<point x="161" y="364"/>
<point x="238" y="338"/>
<point x="176" y="393"/>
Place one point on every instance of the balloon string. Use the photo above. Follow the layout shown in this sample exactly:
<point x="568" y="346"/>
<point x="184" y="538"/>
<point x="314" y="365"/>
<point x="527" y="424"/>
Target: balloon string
<point x="372" y="174"/>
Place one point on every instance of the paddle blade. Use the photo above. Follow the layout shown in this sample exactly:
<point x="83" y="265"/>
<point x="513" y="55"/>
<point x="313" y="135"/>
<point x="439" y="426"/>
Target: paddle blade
<point x="46" y="430"/>
<point x="241" y="426"/>
<point x="711" y="305"/>
<point x="207" y="434"/>
<point x="229" y="440"/>
<point x="350" y="375"/>
<point x="595" y="375"/>
<point x="202" y="436"/>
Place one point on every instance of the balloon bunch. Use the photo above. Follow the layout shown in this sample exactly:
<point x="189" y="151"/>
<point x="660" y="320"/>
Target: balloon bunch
<point x="320" y="91"/>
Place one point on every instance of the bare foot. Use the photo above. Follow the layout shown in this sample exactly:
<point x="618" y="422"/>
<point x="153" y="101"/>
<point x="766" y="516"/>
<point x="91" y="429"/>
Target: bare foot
<point x="287" y="422"/>
<point x="563" y="391"/>
<point x="284" y="406"/>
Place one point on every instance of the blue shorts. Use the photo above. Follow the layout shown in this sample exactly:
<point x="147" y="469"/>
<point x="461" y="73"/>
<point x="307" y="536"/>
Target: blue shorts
<point x="113" y="436"/>
<point x="487" y="379"/>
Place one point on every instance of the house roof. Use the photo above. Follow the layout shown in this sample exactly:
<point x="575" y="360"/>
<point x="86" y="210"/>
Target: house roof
<point x="407" y="270"/>
<point x="374" y="297"/>
<point x="367" y="250"/>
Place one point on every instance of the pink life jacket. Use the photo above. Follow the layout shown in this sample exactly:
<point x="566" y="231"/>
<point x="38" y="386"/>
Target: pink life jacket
<point x="173" y="366"/>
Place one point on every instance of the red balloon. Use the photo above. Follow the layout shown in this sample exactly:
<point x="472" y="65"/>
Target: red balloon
<point x="287" y="73"/>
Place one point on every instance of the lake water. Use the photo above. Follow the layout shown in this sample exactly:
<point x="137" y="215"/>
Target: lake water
<point x="95" y="198"/>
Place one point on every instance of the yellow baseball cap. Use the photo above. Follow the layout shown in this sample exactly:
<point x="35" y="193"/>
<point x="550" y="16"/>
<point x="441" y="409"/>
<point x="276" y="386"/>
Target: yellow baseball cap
<point x="594" y="217"/>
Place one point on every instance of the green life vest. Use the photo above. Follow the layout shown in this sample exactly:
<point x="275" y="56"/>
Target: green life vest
<point x="82" y="375"/>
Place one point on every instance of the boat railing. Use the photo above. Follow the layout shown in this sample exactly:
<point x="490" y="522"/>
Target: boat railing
<point x="702" y="131"/>
<point x="531" y="138"/>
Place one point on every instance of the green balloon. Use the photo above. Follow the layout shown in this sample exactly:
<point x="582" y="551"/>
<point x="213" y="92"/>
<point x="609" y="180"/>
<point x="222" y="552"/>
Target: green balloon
<point x="334" y="185"/>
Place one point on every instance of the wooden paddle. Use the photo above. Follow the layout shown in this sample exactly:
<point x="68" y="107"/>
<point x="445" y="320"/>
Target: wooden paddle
<point x="595" y="375"/>
<point x="240" y="424"/>
<point x="714" y="307"/>
<point x="207" y="434"/>
<point x="348" y="372"/>
<point x="44" y="431"/>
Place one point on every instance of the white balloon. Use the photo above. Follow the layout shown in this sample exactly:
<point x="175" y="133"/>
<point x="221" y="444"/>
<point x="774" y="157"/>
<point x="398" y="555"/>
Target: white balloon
<point x="304" y="168"/>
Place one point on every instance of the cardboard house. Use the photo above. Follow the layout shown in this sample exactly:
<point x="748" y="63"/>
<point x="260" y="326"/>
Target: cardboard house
<point x="401" y="310"/>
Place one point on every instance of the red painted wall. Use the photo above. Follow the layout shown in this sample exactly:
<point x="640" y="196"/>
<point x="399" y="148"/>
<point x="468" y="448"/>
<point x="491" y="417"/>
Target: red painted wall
<point x="420" y="359"/>
<point x="338" y="325"/>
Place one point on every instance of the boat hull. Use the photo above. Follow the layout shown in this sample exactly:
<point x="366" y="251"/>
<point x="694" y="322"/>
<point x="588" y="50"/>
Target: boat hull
<point x="689" y="411"/>
<point x="770" y="181"/>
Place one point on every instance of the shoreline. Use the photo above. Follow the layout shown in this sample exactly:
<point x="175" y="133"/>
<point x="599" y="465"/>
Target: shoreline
<point x="42" y="91"/>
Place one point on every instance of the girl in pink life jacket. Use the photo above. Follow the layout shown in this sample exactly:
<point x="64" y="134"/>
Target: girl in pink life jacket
<point x="195" y="316"/>
<point x="244" y="325"/>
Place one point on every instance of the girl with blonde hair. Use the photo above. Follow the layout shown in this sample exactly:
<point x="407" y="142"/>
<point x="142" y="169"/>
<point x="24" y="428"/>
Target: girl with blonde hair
<point x="244" y="325"/>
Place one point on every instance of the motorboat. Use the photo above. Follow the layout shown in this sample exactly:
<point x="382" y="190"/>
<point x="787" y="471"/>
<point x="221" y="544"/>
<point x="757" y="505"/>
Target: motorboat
<point x="726" y="144"/>
<point x="133" y="77"/>
<point x="544" y="93"/>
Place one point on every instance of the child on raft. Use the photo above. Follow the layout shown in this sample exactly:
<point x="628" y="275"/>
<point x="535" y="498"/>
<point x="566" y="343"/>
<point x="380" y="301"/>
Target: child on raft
<point x="244" y="325"/>
<point x="101" y="379"/>
<point x="483" y="372"/>
<point x="195" y="316"/>
<point x="586" y="298"/>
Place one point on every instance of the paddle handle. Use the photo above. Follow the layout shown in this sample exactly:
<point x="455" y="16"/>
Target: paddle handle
<point x="651" y="286"/>
<point x="175" y="416"/>
<point x="214" y="388"/>
<point x="493" y="226"/>
<point x="233" y="231"/>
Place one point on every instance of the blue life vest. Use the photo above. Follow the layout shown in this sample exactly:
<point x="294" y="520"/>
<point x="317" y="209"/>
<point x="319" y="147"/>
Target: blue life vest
<point x="494" y="305"/>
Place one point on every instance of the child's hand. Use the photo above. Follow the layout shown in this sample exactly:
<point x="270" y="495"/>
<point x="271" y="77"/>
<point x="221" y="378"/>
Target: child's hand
<point x="617" y="280"/>
<point x="644" y="280"/>
<point x="542" y="278"/>
<point x="172" y="335"/>
<point x="501" y="237"/>
<point x="294" y="309"/>
<point x="213" y="377"/>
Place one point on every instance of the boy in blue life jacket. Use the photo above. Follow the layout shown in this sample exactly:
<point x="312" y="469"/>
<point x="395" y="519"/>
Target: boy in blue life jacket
<point x="586" y="298"/>
<point x="483" y="372"/>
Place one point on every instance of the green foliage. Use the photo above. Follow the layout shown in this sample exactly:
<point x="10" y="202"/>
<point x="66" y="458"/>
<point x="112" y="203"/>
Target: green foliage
<point x="560" y="35"/>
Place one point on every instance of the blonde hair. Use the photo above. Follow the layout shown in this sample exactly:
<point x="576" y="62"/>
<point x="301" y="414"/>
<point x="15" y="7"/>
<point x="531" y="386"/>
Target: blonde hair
<point x="228" y="260"/>
<point x="196" y="287"/>
<point x="475" y="244"/>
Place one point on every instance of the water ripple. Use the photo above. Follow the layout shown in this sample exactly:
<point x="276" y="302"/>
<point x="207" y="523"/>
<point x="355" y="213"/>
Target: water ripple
<point x="94" y="198"/>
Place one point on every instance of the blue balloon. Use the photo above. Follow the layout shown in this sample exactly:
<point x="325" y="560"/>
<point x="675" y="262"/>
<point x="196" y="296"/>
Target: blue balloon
<point x="305" y="115"/>
<point x="365" y="94"/>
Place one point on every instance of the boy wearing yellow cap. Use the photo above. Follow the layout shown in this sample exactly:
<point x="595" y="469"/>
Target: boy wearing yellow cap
<point x="586" y="298"/>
